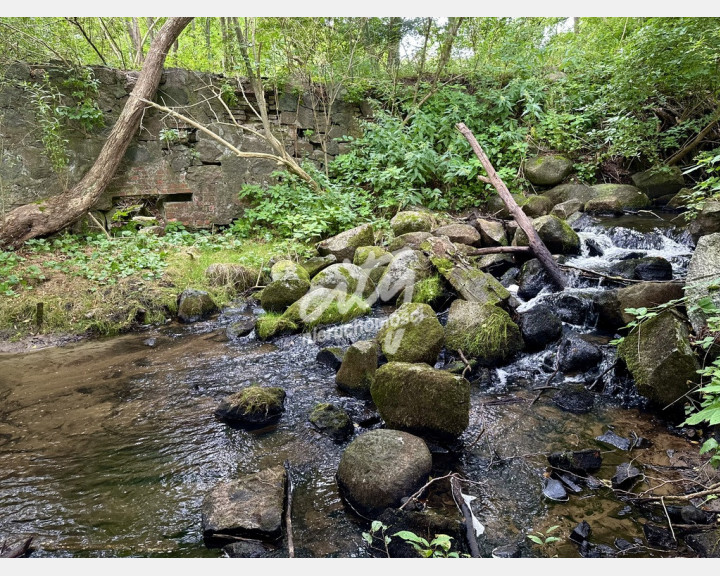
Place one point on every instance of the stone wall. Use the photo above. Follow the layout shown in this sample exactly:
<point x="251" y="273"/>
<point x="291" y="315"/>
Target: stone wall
<point x="194" y="179"/>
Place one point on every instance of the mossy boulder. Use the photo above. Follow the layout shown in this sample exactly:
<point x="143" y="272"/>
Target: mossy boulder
<point x="429" y="290"/>
<point x="332" y="421"/>
<point x="412" y="334"/>
<point x="421" y="400"/>
<point x="373" y="260"/>
<point x="412" y="221"/>
<point x="473" y="284"/>
<point x="412" y="240"/>
<point x="615" y="199"/>
<point x="290" y="282"/>
<point x="482" y="331"/>
<point x="659" y="357"/>
<point x="547" y="170"/>
<point x="317" y="263"/>
<point x="273" y="324"/>
<point x="556" y="234"/>
<point x="325" y="306"/>
<point x="659" y="181"/>
<point x="537" y="205"/>
<point x="195" y="305"/>
<point x="611" y="304"/>
<point x="343" y="245"/>
<point x="358" y="367"/>
<point x="494" y="205"/>
<point x="406" y="268"/>
<point x="566" y="192"/>
<point x="253" y="406"/>
<point x="381" y="467"/>
<point x="236" y="276"/>
<point x="706" y="222"/>
<point x="288" y="270"/>
<point x="566" y="209"/>
<point x="248" y="507"/>
<point x="459" y="233"/>
<point x="702" y="279"/>
<point x="347" y="278"/>
<point x="492" y="232"/>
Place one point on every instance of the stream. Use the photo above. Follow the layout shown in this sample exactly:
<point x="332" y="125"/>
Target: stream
<point x="108" y="447"/>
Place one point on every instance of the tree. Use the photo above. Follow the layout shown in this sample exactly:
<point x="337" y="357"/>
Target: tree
<point x="57" y="212"/>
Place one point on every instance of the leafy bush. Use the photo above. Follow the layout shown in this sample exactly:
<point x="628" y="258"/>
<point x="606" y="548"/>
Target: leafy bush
<point x="707" y="189"/>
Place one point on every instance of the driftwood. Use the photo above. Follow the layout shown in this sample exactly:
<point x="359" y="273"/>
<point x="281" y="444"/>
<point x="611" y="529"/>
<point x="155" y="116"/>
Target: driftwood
<point x="15" y="551"/>
<point x="467" y="514"/>
<point x="537" y="245"/>
<point x="498" y="250"/>
<point x="288" y="513"/>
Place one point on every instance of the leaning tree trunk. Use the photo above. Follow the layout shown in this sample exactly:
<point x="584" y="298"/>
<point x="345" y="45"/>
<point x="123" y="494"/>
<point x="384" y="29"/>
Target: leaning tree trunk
<point x="57" y="212"/>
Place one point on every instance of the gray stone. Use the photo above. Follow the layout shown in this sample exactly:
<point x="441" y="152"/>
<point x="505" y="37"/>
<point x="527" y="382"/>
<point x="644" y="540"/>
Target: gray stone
<point x="566" y="192"/>
<point x="547" y="170"/>
<point x="317" y="263"/>
<point x="658" y="182"/>
<point x="475" y="285"/>
<point x="706" y="543"/>
<point x="412" y="334"/>
<point x="343" y="245"/>
<point x="615" y="199"/>
<point x="566" y="209"/>
<point x="702" y="279"/>
<point x="241" y="327"/>
<point x="556" y="234"/>
<point x="381" y="467"/>
<point x="249" y="507"/>
<point x="195" y="305"/>
<point x="462" y="233"/>
<point x="412" y="221"/>
<point x="357" y="371"/>
<point x="347" y="278"/>
<point x="411" y="240"/>
<point x="406" y="268"/>
<point x="422" y="400"/>
<point x="537" y="205"/>
<point x="492" y="232"/>
<point x="706" y="222"/>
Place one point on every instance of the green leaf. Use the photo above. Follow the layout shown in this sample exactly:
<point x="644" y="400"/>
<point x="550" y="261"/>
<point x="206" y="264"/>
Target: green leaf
<point x="411" y="537"/>
<point x="535" y="539"/>
<point x="367" y="537"/>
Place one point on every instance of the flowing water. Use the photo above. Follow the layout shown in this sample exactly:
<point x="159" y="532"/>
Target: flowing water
<point x="108" y="447"/>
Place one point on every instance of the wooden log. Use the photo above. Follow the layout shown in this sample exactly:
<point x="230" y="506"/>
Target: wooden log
<point x="537" y="245"/>
<point x="498" y="250"/>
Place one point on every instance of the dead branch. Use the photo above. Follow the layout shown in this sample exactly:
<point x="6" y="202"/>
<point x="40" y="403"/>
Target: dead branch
<point x="288" y="512"/>
<point x="467" y="514"/>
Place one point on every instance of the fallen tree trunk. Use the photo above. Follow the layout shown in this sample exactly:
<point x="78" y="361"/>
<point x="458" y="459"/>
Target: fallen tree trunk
<point x="498" y="250"/>
<point x="537" y="245"/>
<point x="57" y="212"/>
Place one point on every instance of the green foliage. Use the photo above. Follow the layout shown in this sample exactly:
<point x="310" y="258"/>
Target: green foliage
<point x="44" y="100"/>
<point x="543" y="540"/>
<point x="707" y="189"/>
<point x="439" y="547"/>
<point x="83" y="90"/>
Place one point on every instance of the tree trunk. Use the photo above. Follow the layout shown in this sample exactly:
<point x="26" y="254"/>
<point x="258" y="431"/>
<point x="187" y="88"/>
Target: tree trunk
<point x="57" y="212"/>
<point x="538" y="248"/>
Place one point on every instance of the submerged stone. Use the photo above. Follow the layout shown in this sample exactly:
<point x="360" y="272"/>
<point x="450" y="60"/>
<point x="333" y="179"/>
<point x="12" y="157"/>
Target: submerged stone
<point x="626" y="475"/>
<point x="554" y="490"/>
<point x="614" y="440"/>
<point x="580" y="462"/>
<point x="577" y="401"/>
<point x="332" y="421"/>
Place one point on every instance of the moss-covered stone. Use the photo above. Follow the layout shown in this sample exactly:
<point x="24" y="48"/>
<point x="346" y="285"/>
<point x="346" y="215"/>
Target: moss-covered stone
<point x="343" y="245"/>
<point x="347" y="278"/>
<point x="279" y="294"/>
<point x="314" y="265"/>
<point x="406" y="268"/>
<point x="615" y="199"/>
<point x="494" y="205"/>
<point x="566" y="192"/>
<point x="332" y="421"/>
<point x="566" y="209"/>
<point x="272" y="324"/>
<point x="288" y="270"/>
<point x="357" y="371"/>
<point x="482" y="331"/>
<point x="412" y="240"/>
<point x="325" y="306"/>
<point x="659" y="181"/>
<point x="369" y="257"/>
<point x="252" y="406"/>
<point x="421" y="400"/>
<point x="473" y="285"/>
<point x="195" y="305"/>
<point x="412" y="334"/>
<point x="547" y="170"/>
<point x="556" y="234"/>
<point x="428" y="290"/>
<point x="659" y="357"/>
<point x="537" y="205"/>
<point x="412" y="221"/>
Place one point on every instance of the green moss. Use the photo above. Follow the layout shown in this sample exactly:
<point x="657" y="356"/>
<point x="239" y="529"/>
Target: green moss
<point x="324" y="306"/>
<point x="412" y="334"/>
<point x="412" y="221"/>
<point x="442" y="265"/>
<point x="378" y="256"/>
<point x="289" y="270"/>
<point x="271" y="324"/>
<point x="256" y="399"/>
<point x="428" y="290"/>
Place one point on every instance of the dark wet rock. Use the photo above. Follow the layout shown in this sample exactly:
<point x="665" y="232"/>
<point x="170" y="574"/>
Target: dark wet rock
<point x="506" y="551"/>
<point x="381" y="467"/>
<point x="576" y="354"/>
<point x="317" y="263"/>
<point x="343" y="245"/>
<point x="510" y="277"/>
<point x="593" y="483"/>
<point x="357" y="371"/>
<point x="461" y="233"/>
<point x="615" y="199"/>
<point x="253" y="406"/>
<point x="556" y="234"/>
<point x="701" y="281"/>
<point x="347" y="278"/>
<point x="554" y="490"/>
<point x="590" y="550"/>
<point x="412" y="334"/>
<point x="412" y="240"/>
<point x="659" y="537"/>
<point x="533" y="278"/>
<point x="569" y="482"/>
<point x="331" y="357"/>
<point x="593" y="247"/>
<point x="363" y="413"/>
<point x="249" y="507"/>
<point x="623" y="545"/>
<point x="580" y="462"/>
<point x="537" y="205"/>
<point x="649" y="268"/>
<point x="547" y="170"/>
<point x="241" y="327"/>
<point x="492" y="232"/>
<point x="494" y="205"/>
<point x="574" y="309"/>
<point x="566" y="192"/>
<point x="581" y="532"/>
<point x="412" y="221"/>
<point x="289" y="283"/>
<point x="195" y="305"/>
<point x="246" y="549"/>
<point x="236" y="275"/>
<point x="482" y="331"/>
<point x="426" y="522"/>
<point x="539" y="327"/>
<point x="577" y="401"/>
<point x="332" y="421"/>
<point x="473" y="285"/>
<point x="626" y="475"/>
<point x="660" y="358"/>
<point x="614" y="440"/>
<point x="692" y="515"/>
<point x="564" y="210"/>
<point x="406" y="268"/>
<point x="706" y="222"/>
<point x="706" y="543"/>
<point x="421" y="400"/>
<point x="659" y="182"/>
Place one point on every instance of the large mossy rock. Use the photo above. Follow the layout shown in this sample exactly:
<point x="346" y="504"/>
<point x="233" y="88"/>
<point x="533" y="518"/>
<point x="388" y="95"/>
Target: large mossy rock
<point x="374" y="260"/>
<point x="615" y="199"/>
<point x="422" y="400"/>
<point x="317" y="263"/>
<point x="706" y="222"/>
<point x="492" y="232"/>
<point x="195" y="305"/>
<point x="411" y="240"/>
<point x="343" y="245"/>
<point x="460" y="233"/>
<point x="347" y="278"/>
<point x="547" y="170"/>
<point x="412" y="221"/>
<point x="659" y="357"/>
<point x="482" y="331"/>
<point x="556" y="234"/>
<point x="236" y="276"/>
<point x="494" y="205"/>
<point x="703" y="279"/>
<point x="381" y="467"/>
<point x="290" y="282"/>
<point x="565" y="192"/>
<point x="406" y="268"/>
<point x="358" y="367"/>
<point x="412" y="334"/>
<point x="537" y="205"/>
<point x="472" y="284"/>
<point x="249" y="507"/>
<point x="324" y="306"/>
<point x="611" y="304"/>
<point x="253" y="406"/>
<point x="659" y="182"/>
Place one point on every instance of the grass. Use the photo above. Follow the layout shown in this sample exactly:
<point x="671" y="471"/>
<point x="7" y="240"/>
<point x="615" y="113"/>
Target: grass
<point x="92" y="284"/>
